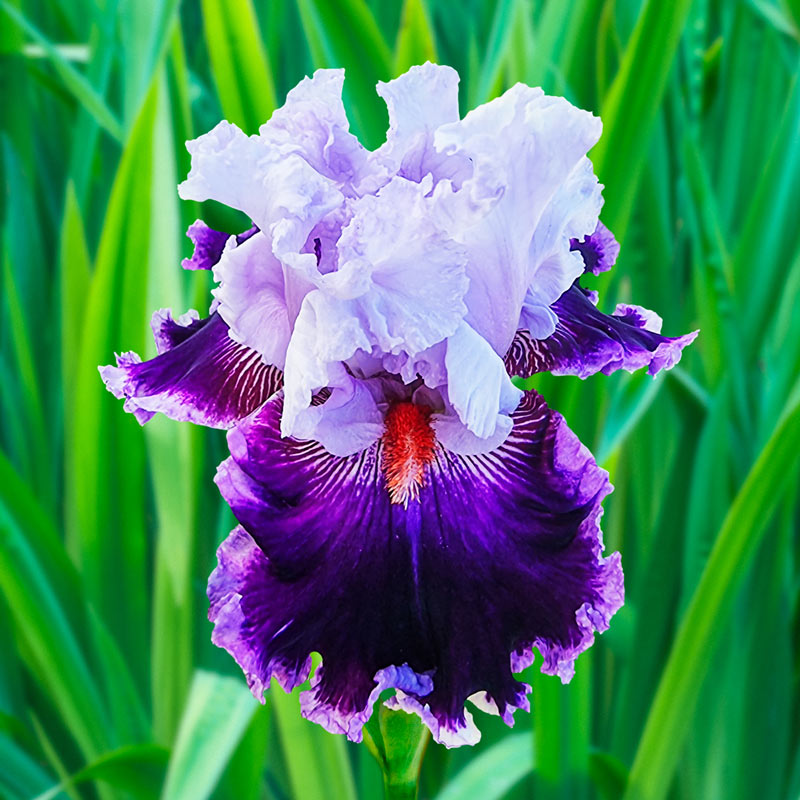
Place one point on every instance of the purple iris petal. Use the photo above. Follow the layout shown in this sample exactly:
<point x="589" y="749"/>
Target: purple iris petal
<point x="169" y="332"/>
<point x="209" y="244"/>
<point x="493" y="554"/>
<point x="599" y="249"/>
<point x="587" y="341"/>
<point x="200" y="375"/>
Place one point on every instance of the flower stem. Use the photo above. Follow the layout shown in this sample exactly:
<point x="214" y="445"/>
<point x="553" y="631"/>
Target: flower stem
<point x="398" y="741"/>
<point x="406" y="791"/>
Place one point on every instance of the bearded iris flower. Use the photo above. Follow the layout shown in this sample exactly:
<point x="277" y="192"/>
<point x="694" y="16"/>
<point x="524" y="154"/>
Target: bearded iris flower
<point x="404" y="509"/>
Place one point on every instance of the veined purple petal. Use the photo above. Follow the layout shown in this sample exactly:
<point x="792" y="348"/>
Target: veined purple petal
<point x="587" y="341"/>
<point x="236" y="593"/>
<point x="209" y="244"/>
<point x="316" y="706"/>
<point x="200" y="375"/>
<point x="169" y="332"/>
<point x="493" y="555"/>
<point x="599" y="250"/>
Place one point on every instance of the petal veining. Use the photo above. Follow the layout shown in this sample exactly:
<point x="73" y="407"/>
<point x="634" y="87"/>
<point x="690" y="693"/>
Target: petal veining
<point x="200" y="375"/>
<point x="499" y="553"/>
<point x="587" y="341"/>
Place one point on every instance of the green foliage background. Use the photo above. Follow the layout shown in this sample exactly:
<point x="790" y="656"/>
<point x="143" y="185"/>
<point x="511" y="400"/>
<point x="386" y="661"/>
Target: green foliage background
<point x="109" y="686"/>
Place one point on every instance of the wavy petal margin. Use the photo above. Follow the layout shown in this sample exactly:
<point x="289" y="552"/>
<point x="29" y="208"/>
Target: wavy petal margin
<point x="587" y="341"/>
<point x="200" y="375"/>
<point x="501" y="553"/>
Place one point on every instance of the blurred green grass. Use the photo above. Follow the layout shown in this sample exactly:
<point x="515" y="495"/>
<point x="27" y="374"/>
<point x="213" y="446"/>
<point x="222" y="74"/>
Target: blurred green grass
<point x="109" y="685"/>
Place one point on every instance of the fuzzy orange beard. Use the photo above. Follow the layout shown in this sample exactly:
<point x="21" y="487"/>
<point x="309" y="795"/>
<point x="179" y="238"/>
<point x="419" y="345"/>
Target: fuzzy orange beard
<point x="409" y="445"/>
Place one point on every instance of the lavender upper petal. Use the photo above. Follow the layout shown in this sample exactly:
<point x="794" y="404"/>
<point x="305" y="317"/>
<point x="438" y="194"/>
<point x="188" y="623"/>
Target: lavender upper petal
<point x="269" y="183"/>
<point x="313" y="123"/>
<point x="534" y="190"/>
<point x="347" y="421"/>
<point x="478" y="385"/>
<point x="257" y="298"/>
<point x="420" y="101"/>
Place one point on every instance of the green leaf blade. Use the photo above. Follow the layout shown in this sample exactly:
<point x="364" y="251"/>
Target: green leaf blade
<point x="217" y="713"/>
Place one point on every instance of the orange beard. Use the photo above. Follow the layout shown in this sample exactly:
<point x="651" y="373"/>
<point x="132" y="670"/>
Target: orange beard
<point x="409" y="445"/>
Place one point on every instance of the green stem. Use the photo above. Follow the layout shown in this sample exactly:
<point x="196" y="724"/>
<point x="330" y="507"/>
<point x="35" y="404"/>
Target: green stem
<point x="399" y="791"/>
<point x="398" y="741"/>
